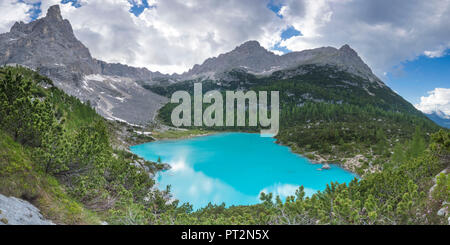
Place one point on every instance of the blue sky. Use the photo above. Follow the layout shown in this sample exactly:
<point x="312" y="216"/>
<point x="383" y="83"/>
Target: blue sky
<point x="411" y="79"/>
<point x="404" y="48"/>
<point x="287" y="33"/>
<point x="419" y="76"/>
<point x="136" y="9"/>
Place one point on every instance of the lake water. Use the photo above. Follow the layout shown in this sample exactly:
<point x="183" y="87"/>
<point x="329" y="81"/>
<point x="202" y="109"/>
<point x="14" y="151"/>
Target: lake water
<point x="234" y="168"/>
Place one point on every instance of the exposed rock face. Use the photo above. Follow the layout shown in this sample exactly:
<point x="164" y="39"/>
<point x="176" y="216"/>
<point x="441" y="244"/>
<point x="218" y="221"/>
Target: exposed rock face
<point x="253" y="58"/>
<point x="47" y="44"/>
<point x="117" y="98"/>
<point x="14" y="211"/>
<point x="116" y="69"/>
<point x="250" y="56"/>
<point x="50" y="46"/>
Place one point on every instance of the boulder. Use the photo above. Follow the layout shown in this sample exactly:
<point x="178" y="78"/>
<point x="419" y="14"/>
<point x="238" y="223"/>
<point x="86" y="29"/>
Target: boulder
<point x="15" y="211"/>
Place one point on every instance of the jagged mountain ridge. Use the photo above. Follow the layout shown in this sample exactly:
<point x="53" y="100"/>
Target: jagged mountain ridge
<point x="250" y="55"/>
<point x="49" y="43"/>
<point x="255" y="59"/>
<point x="50" y="46"/>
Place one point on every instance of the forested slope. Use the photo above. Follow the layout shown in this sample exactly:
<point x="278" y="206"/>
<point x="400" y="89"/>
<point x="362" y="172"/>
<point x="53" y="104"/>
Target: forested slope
<point x="56" y="153"/>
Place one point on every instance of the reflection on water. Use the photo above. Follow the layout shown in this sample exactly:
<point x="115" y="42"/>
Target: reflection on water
<point x="234" y="168"/>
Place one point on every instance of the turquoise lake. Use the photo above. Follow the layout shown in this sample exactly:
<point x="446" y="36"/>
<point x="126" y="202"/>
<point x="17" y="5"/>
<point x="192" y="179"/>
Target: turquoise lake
<point x="235" y="168"/>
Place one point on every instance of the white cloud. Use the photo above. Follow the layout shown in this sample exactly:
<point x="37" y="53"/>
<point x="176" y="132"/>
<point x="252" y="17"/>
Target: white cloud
<point x="437" y="53"/>
<point x="383" y="32"/>
<point x="12" y="11"/>
<point x="438" y="100"/>
<point x="277" y="52"/>
<point x="176" y="34"/>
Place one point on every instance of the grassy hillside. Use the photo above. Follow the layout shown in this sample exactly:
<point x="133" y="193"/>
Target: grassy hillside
<point x="19" y="177"/>
<point x="55" y="152"/>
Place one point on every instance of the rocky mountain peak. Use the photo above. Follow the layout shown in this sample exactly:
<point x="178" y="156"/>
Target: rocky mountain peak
<point x="249" y="55"/>
<point x="250" y="48"/>
<point x="49" y="45"/>
<point x="17" y="26"/>
<point x="347" y="57"/>
<point x="347" y="48"/>
<point x="54" y="13"/>
<point x="349" y="52"/>
<point x="51" y="26"/>
<point x="254" y="58"/>
<point x="250" y="45"/>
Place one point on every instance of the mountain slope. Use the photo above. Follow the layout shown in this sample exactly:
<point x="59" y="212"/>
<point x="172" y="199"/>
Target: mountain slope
<point x="326" y="114"/>
<point x="439" y="119"/>
<point x="56" y="153"/>
<point x="49" y="46"/>
<point x="323" y="75"/>
<point x="254" y="59"/>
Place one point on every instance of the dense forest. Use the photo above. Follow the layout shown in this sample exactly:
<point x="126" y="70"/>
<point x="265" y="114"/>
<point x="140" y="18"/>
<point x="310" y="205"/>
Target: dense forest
<point x="57" y="153"/>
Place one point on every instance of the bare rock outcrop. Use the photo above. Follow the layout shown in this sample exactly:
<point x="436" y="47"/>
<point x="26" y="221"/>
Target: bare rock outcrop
<point x="14" y="211"/>
<point x="50" y="46"/>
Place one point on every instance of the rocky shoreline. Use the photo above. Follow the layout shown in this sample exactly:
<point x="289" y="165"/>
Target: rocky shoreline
<point x="184" y="137"/>
<point x="351" y="164"/>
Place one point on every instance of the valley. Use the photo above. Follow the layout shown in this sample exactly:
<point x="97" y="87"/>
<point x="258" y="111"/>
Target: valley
<point x="71" y="128"/>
